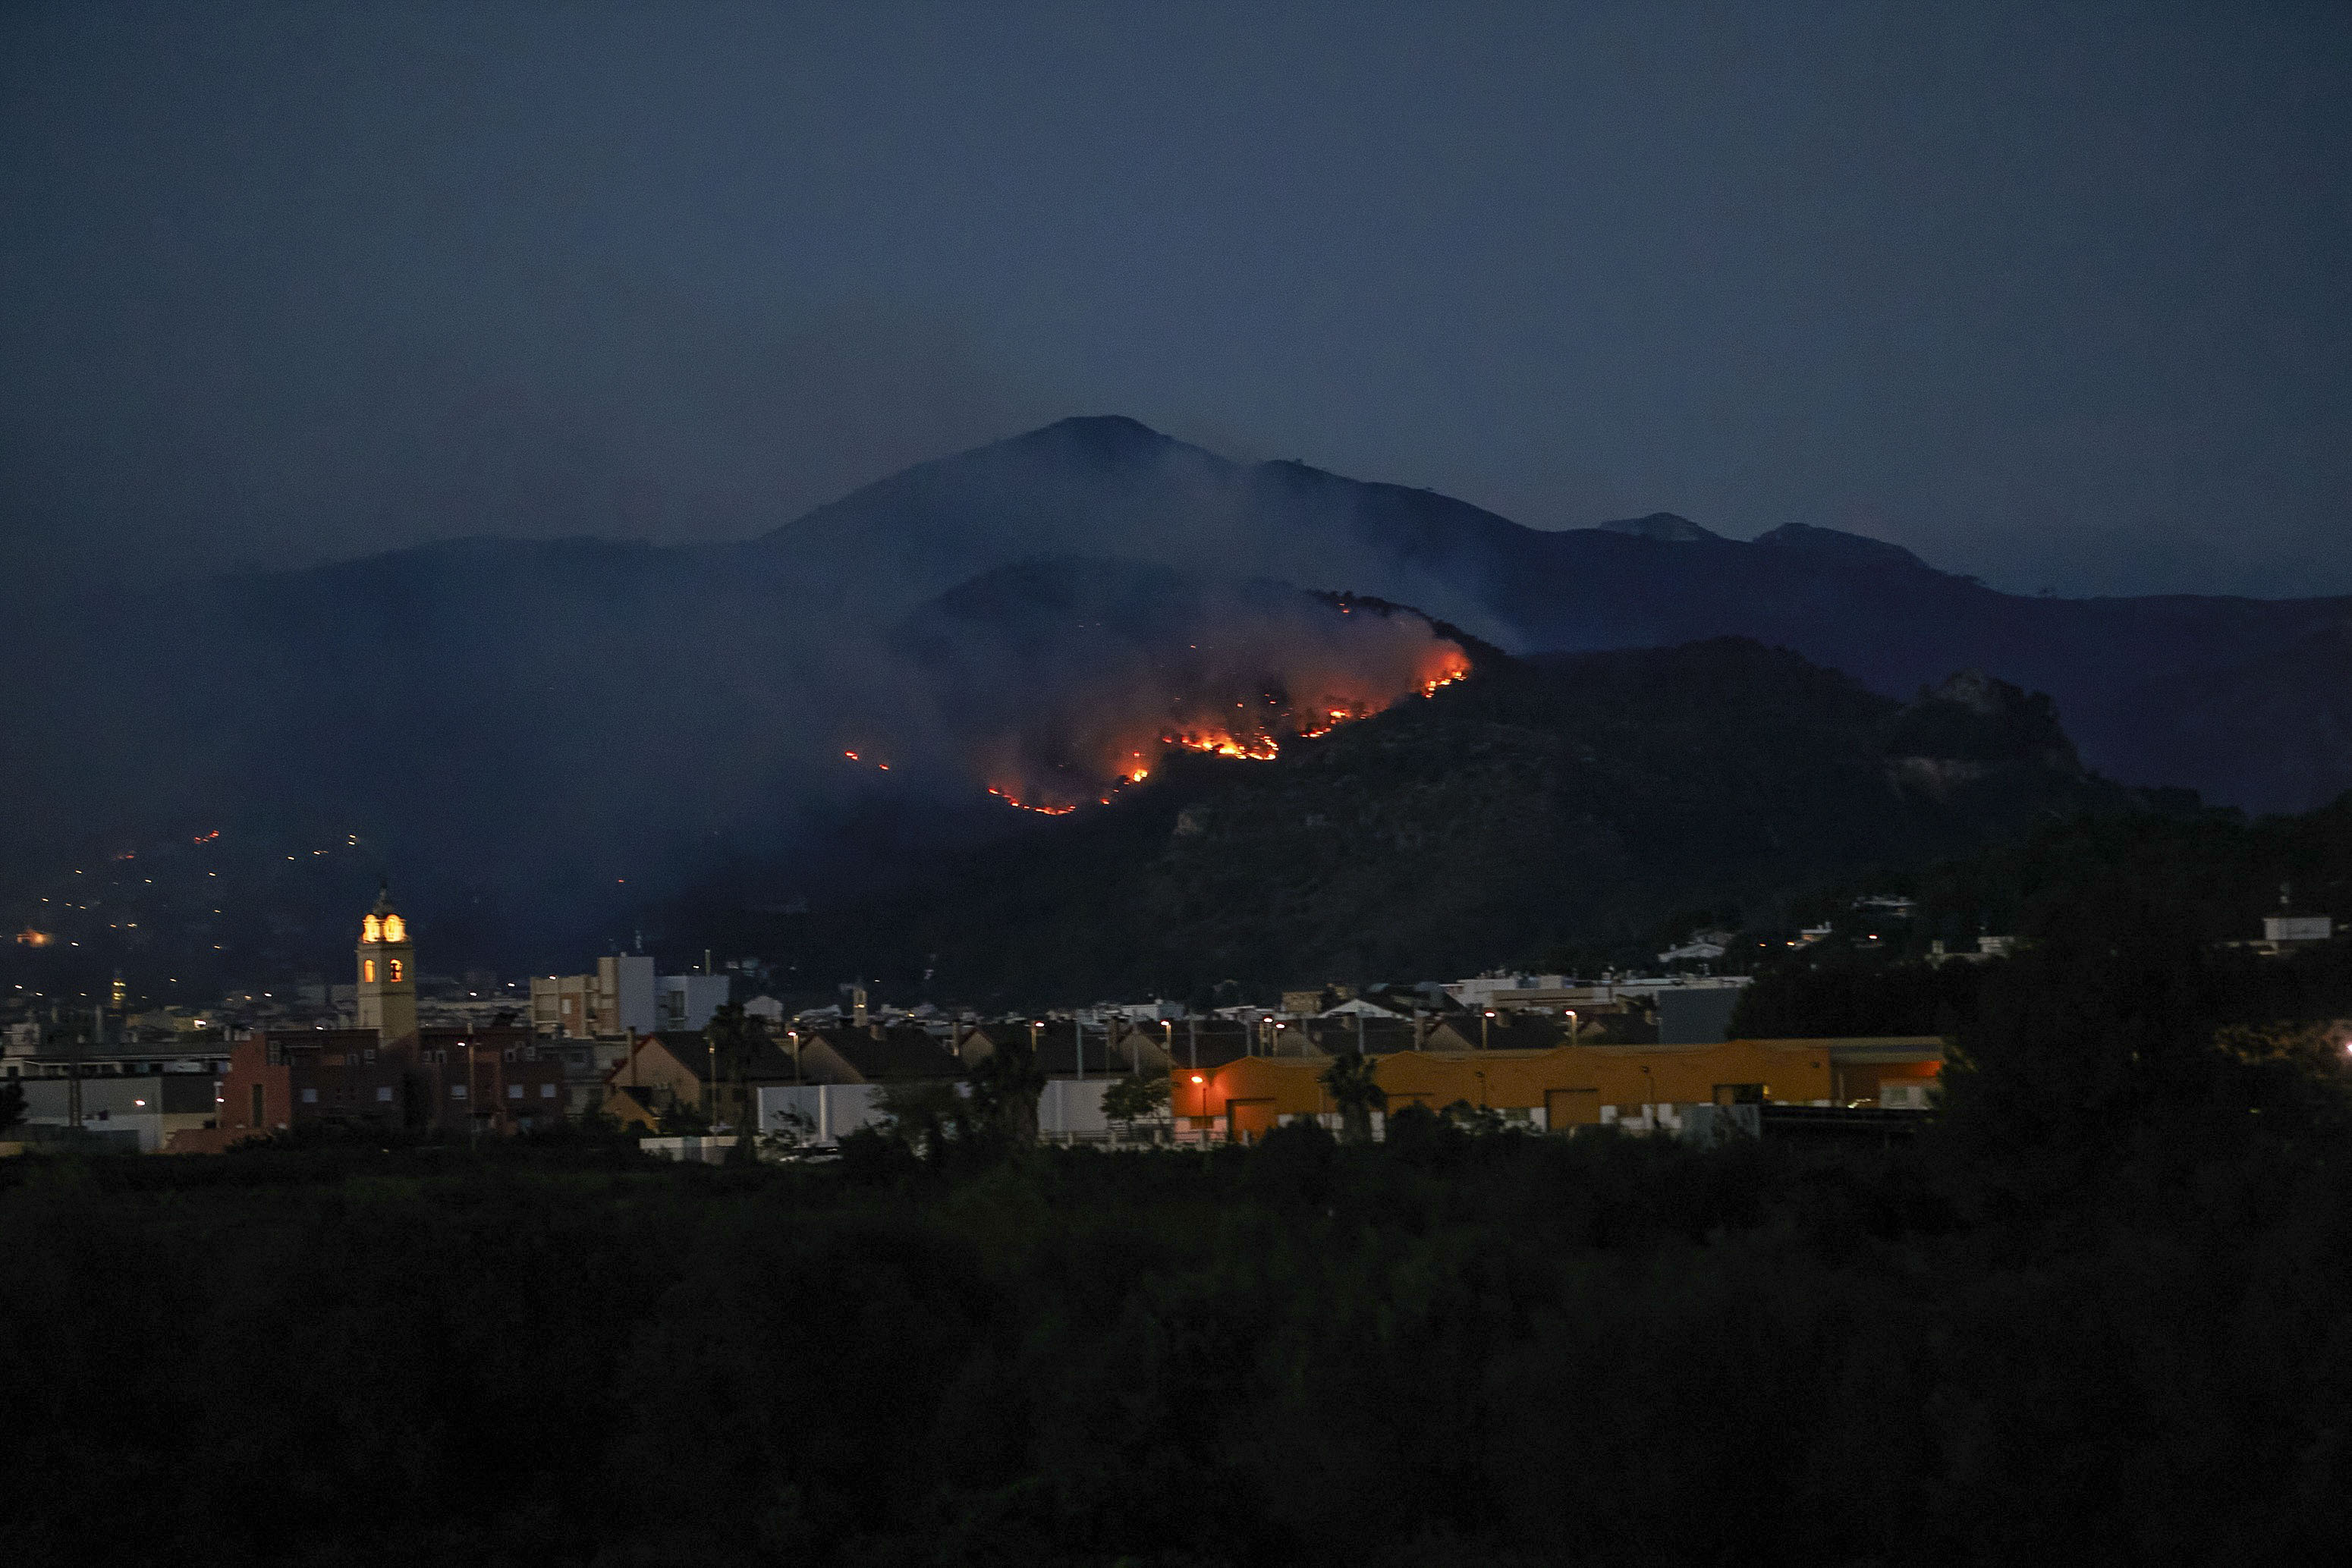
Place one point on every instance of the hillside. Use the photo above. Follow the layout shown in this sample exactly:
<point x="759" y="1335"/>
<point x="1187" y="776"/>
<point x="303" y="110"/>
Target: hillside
<point x="535" y="737"/>
<point x="2150" y="684"/>
<point x="1572" y="802"/>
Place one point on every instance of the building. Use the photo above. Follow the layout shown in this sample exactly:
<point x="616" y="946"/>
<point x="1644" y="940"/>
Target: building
<point x="139" y="1112"/>
<point x="388" y="973"/>
<point x="876" y="1054"/>
<point x="687" y="1002"/>
<point x="673" y="1070"/>
<point x="389" y="1077"/>
<point x="1637" y="1087"/>
<point x="1320" y="999"/>
<point x="818" y="1115"/>
<point x="281" y="1079"/>
<point x="618" y="999"/>
<point x="2285" y="930"/>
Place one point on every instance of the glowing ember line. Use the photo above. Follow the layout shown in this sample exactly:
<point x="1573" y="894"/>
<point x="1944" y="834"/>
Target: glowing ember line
<point x="1026" y="806"/>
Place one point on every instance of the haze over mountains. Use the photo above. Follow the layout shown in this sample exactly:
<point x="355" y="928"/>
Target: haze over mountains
<point x="578" y="724"/>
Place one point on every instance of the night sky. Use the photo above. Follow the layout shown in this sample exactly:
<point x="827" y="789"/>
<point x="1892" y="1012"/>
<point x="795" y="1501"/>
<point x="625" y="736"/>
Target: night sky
<point x="2057" y="295"/>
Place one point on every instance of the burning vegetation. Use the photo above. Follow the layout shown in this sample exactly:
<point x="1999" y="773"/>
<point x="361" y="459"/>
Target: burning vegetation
<point x="1242" y="691"/>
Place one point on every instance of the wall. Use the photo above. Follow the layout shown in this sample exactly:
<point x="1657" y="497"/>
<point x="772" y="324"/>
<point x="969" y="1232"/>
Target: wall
<point x="1071" y="1108"/>
<point x="1586" y="1080"/>
<point x="827" y="1111"/>
<point x="687" y="1002"/>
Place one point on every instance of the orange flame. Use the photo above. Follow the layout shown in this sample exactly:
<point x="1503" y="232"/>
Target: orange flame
<point x="1007" y="797"/>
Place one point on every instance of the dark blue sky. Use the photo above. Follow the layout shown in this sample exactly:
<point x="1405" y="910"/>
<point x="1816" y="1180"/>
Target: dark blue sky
<point x="2053" y="295"/>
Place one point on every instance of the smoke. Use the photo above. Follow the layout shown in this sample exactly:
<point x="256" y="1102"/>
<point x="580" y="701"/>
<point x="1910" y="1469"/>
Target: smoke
<point x="535" y="738"/>
<point x="1057" y="683"/>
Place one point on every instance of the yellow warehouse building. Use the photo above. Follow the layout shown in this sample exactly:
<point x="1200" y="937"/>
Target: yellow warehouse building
<point x="1568" y="1086"/>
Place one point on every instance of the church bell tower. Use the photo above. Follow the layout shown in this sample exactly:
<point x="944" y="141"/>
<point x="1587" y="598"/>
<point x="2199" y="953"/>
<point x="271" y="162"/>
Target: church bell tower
<point x="387" y="968"/>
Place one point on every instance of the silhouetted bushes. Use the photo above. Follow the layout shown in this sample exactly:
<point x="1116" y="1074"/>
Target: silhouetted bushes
<point x="2099" y="1312"/>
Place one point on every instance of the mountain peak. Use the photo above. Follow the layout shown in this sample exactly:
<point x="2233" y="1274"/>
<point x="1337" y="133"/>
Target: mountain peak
<point x="1663" y="527"/>
<point x="1110" y="435"/>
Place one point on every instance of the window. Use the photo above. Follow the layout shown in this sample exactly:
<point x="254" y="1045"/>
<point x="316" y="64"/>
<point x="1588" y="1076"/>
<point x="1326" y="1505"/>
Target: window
<point x="384" y="1096"/>
<point x="257" y="1105"/>
<point x="457" y="1092"/>
<point x="367" y="971"/>
<point x="310" y="1096"/>
<point x="514" y="1091"/>
<point x="547" y="1091"/>
<point x="369" y="1054"/>
<point x="393" y="970"/>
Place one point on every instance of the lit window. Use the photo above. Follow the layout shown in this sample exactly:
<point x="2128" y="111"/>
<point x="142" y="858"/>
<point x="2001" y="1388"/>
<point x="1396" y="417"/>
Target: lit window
<point x="514" y="1091"/>
<point x="457" y="1092"/>
<point x="310" y="1096"/>
<point x="395" y="973"/>
<point x="371" y="929"/>
<point x="394" y="929"/>
<point x="547" y="1091"/>
<point x="384" y="1096"/>
<point x="367" y="971"/>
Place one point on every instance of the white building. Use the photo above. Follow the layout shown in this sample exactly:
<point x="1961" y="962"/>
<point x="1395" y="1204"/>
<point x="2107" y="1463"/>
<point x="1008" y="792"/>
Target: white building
<point x="687" y="1002"/>
<point x="2280" y="929"/>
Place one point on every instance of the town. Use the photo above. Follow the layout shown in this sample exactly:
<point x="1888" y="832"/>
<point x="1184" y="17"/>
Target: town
<point x="687" y="1066"/>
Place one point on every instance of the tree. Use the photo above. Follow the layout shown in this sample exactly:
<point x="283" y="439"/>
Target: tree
<point x="734" y="1038"/>
<point x="1354" y="1090"/>
<point x="1005" y="1084"/>
<point x="929" y="1116"/>
<point x="793" y="1133"/>
<point x="679" y="1120"/>
<point x="1137" y="1098"/>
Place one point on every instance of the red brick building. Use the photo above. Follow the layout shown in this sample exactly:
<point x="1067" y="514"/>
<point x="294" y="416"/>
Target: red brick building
<point x="501" y="1079"/>
<point x="390" y="1077"/>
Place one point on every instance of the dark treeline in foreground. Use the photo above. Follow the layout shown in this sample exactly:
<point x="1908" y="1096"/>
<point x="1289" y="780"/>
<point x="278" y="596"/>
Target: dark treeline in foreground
<point x="2100" y="1307"/>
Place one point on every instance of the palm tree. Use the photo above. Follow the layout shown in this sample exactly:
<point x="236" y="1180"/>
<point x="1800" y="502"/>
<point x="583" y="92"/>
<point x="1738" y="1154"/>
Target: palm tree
<point x="1357" y="1093"/>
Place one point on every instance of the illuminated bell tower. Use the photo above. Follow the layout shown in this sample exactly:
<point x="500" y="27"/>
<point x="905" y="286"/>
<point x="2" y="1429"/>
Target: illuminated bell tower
<point x="387" y="989"/>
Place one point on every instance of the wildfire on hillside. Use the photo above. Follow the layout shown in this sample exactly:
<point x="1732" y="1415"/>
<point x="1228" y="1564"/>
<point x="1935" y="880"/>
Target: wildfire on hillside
<point x="1115" y="741"/>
